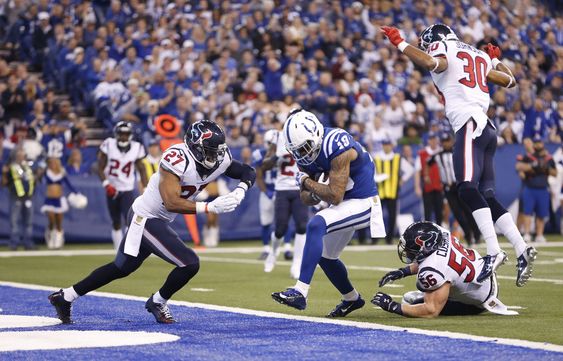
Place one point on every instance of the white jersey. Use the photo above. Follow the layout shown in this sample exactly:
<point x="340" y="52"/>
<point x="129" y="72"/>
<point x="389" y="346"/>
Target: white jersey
<point x="120" y="168"/>
<point x="286" y="168"/>
<point x="179" y="161"/>
<point x="459" y="266"/>
<point x="464" y="83"/>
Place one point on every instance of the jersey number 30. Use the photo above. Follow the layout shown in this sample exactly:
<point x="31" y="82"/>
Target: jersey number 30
<point x="476" y="71"/>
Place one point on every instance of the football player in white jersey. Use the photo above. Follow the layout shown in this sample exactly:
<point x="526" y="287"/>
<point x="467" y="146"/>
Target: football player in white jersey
<point x="446" y="277"/>
<point x="119" y="158"/>
<point x="461" y="74"/>
<point x="185" y="170"/>
<point x="286" y="204"/>
<point x="265" y="180"/>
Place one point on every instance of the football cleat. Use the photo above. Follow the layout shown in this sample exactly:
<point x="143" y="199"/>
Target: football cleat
<point x="160" y="311"/>
<point x="345" y="307"/>
<point x="490" y="264"/>
<point x="62" y="306"/>
<point x="525" y="266"/>
<point x="263" y="256"/>
<point x="292" y="298"/>
<point x="288" y="255"/>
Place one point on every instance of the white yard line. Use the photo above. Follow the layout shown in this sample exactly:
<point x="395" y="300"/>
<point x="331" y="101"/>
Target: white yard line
<point x="365" y="325"/>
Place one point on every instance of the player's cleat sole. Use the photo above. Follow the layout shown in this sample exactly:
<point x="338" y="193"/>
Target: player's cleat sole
<point x="345" y="307"/>
<point x="525" y="266"/>
<point x="160" y="311"/>
<point x="292" y="298"/>
<point x="62" y="306"/>
<point x="491" y="264"/>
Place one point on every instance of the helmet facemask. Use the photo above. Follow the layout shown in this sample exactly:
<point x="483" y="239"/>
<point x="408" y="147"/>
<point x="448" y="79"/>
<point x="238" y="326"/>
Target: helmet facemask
<point x="305" y="153"/>
<point x="213" y="156"/>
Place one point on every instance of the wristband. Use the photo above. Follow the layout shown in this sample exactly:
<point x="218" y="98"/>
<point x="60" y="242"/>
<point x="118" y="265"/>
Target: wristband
<point x="105" y="183"/>
<point x="201" y="207"/>
<point x="495" y="62"/>
<point x="395" y="307"/>
<point x="243" y="186"/>
<point x="406" y="270"/>
<point x="402" y="46"/>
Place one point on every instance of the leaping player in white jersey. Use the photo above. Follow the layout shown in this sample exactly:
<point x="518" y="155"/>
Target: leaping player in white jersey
<point x="119" y="158"/>
<point x="446" y="277"/>
<point x="185" y="169"/>
<point x="462" y="73"/>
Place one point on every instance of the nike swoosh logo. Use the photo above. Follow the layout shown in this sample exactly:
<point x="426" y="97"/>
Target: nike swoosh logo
<point x="345" y="309"/>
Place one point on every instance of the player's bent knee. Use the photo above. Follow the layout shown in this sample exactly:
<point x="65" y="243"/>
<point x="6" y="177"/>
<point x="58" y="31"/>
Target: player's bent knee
<point x="316" y="225"/>
<point x="471" y="196"/>
<point x="301" y="228"/>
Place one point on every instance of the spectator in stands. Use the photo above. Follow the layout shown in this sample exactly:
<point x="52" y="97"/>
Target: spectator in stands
<point x="130" y="63"/>
<point x="41" y="35"/>
<point x="511" y="130"/>
<point x="13" y="100"/>
<point x="427" y="182"/>
<point x="20" y="179"/>
<point x="235" y="139"/>
<point x="394" y="117"/>
<point x="535" y="194"/>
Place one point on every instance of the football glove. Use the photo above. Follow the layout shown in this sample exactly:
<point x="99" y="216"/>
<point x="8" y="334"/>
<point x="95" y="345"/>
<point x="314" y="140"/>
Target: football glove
<point x="393" y="34"/>
<point x="394" y="275"/>
<point x="493" y="51"/>
<point x="385" y="301"/>
<point x="300" y="178"/>
<point x="223" y="204"/>
<point x="110" y="190"/>
<point x="240" y="192"/>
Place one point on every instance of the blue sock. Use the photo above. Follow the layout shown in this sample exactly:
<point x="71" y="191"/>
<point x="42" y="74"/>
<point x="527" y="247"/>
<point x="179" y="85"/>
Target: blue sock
<point x="266" y="235"/>
<point x="316" y="229"/>
<point x="336" y="272"/>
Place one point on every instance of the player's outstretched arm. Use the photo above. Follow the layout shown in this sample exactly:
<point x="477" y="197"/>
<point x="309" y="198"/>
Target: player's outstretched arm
<point x="501" y="74"/>
<point x="417" y="56"/>
<point x="333" y="192"/>
<point x="434" y="302"/>
<point x="270" y="159"/>
<point x="397" y="274"/>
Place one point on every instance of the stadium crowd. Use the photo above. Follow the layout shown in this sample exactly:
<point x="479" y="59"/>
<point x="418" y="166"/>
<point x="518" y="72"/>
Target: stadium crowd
<point x="245" y="64"/>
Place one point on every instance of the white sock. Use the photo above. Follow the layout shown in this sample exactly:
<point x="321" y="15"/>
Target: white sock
<point x="275" y="243"/>
<point x="507" y="227"/>
<point x="215" y="235"/>
<point x="298" y="248"/>
<point x="484" y="221"/>
<point x="116" y="237"/>
<point x="351" y="296"/>
<point x="157" y="298"/>
<point x="287" y="246"/>
<point x="302" y="287"/>
<point x="70" y="294"/>
<point x="266" y="248"/>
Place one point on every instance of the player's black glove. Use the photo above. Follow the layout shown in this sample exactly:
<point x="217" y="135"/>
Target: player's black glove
<point x="385" y="301"/>
<point x="395" y="275"/>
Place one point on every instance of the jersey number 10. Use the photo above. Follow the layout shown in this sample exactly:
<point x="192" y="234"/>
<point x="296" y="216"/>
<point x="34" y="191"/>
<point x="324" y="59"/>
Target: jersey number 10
<point x="476" y="71"/>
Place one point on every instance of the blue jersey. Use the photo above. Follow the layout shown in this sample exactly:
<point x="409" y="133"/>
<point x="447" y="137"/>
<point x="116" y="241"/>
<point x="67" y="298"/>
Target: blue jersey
<point x="336" y="141"/>
<point x="269" y="175"/>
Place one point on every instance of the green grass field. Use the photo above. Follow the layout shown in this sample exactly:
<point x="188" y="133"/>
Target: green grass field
<point x="237" y="280"/>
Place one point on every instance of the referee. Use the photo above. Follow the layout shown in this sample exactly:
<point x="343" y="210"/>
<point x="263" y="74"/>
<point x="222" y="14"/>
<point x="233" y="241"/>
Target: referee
<point x="446" y="166"/>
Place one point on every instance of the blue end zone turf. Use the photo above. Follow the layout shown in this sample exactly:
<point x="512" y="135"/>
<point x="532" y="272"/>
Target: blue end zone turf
<point x="219" y="335"/>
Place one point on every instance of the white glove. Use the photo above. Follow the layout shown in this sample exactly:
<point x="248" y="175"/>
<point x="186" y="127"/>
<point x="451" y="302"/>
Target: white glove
<point x="223" y="204"/>
<point x="240" y="192"/>
<point x="300" y="178"/>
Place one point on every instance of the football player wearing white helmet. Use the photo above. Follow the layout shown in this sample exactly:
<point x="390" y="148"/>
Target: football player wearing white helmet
<point x="185" y="170"/>
<point x="461" y="74"/>
<point x="351" y="192"/>
<point x="446" y="277"/>
<point x="119" y="159"/>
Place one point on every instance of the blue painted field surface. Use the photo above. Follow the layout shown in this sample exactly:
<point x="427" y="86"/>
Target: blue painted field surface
<point x="218" y="335"/>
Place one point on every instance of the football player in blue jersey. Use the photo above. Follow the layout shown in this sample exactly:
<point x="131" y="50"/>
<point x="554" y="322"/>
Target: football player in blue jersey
<point x="351" y="193"/>
<point x="265" y="180"/>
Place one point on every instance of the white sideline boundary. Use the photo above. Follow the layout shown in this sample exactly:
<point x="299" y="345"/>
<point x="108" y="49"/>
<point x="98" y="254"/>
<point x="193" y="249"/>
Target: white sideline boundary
<point x="365" y="325"/>
<point x="110" y="252"/>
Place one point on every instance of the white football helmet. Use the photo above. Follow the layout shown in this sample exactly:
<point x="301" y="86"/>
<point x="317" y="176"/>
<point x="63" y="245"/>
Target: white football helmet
<point x="271" y="137"/>
<point x="303" y="134"/>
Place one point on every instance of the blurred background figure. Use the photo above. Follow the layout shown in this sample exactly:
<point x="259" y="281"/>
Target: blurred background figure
<point x="536" y="166"/>
<point x="427" y="182"/>
<point x="21" y="181"/>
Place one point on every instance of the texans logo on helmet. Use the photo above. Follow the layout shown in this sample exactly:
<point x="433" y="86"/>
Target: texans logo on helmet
<point x="430" y="236"/>
<point x="198" y="135"/>
<point x="208" y="134"/>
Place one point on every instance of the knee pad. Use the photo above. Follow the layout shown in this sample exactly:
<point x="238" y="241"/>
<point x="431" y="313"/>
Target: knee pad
<point x="497" y="210"/>
<point x="316" y="224"/>
<point x="471" y="196"/>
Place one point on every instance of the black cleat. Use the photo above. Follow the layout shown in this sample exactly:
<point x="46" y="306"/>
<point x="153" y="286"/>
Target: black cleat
<point x="288" y="255"/>
<point x="62" y="306"/>
<point x="345" y="307"/>
<point x="292" y="298"/>
<point x="160" y="311"/>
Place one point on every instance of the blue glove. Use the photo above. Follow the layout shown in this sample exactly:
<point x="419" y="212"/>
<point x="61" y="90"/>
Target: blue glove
<point x="300" y="178"/>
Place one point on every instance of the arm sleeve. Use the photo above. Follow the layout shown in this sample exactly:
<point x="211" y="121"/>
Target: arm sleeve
<point x="338" y="144"/>
<point x="429" y="279"/>
<point x="244" y="172"/>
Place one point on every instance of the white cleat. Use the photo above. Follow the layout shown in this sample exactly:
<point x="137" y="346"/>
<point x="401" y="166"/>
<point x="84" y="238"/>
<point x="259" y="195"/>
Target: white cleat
<point x="525" y="266"/>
